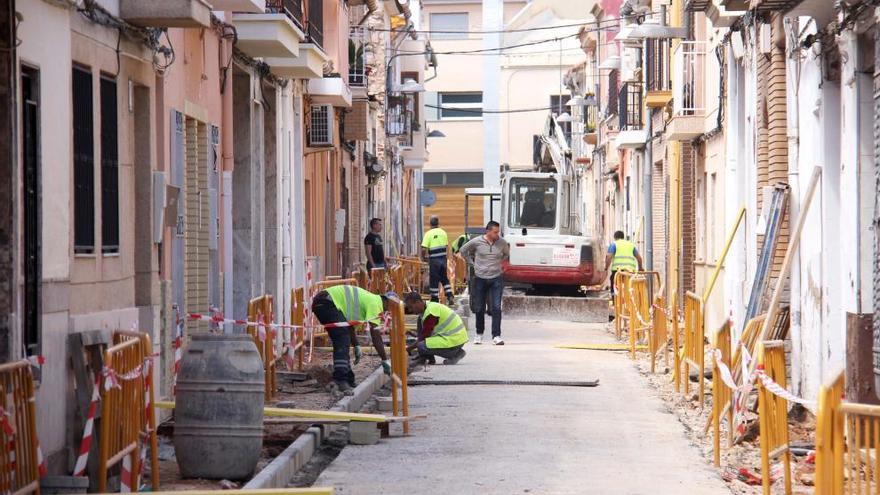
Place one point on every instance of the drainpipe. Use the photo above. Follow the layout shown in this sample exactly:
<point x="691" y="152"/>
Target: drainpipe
<point x="286" y="206"/>
<point x="648" y="175"/>
<point x="794" y="183"/>
<point x="227" y="163"/>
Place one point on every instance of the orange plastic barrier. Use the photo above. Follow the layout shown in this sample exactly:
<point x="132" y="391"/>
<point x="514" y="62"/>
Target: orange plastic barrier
<point x="773" y="414"/>
<point x="20" y="473"/>
<point x="261" y="309"/>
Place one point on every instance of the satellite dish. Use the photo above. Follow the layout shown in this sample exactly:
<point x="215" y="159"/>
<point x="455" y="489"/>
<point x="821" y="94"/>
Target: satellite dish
<point x="427" y="197"/>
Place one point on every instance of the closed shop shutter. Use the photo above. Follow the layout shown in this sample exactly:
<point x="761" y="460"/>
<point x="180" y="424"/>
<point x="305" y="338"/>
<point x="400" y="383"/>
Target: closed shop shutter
<point x="197" y="216"/>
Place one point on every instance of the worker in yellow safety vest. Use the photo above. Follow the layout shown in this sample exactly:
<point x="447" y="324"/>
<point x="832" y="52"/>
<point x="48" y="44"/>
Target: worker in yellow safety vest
<point x="441" y="331"/>
<point x="349" y="303"/>
<point x="435" y="245"/>
<point x="622" y="256"/>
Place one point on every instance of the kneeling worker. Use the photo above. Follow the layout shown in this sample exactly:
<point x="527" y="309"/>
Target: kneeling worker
<point x="442" y="331"/>
<point x="343" y="303"/>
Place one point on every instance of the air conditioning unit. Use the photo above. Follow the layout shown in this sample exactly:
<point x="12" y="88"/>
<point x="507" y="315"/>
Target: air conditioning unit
<point x="321" y="128"/>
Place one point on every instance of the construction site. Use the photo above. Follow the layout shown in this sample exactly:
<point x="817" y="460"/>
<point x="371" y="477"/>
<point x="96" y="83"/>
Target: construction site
<point x="279" y="247"/>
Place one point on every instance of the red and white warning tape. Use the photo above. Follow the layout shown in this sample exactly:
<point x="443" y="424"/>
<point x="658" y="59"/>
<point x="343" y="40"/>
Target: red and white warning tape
<point x="83" y="460"/>
<point x="178" y="348"/>
<point x="263" y="325"/>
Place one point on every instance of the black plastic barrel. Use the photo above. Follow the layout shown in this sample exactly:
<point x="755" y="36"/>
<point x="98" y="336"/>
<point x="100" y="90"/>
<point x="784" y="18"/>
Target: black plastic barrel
<point x="218" y="419"/>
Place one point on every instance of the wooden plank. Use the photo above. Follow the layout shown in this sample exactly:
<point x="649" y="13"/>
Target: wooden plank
<point x="304" y="413"/>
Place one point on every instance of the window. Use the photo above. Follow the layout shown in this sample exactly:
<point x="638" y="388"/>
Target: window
<point x="83" y="163"/>
<point x="461" y="105"/>
<point x="454" y="23"/>
<point x="30" y="151"/>
<point x="532" y="203"/>
<point x="557" y="107"/>
<point x="109" y="168"/>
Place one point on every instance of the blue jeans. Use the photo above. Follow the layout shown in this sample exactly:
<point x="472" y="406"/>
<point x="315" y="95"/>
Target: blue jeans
<point x="488" y="290"/>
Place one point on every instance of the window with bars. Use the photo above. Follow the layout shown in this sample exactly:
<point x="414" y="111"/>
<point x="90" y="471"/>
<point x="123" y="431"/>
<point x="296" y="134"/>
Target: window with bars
<point x="109" y="167"/>
<point x="613" y="92"/>
<point x="557" y="105"/>
<point x="83" y="162"/>
<point x="321" y="125"/>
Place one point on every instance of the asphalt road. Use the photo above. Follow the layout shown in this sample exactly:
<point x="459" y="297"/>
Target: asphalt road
<point x="616" y="438"/>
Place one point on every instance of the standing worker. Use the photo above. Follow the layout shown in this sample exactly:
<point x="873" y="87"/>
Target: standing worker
<point x="435" y="245"/>
<point x="622" y="256"/>
<point x="373" y="245"/>
<point x="342" y="303"/>
<point x="486" y="253"/>
<point x="442" y="332"/>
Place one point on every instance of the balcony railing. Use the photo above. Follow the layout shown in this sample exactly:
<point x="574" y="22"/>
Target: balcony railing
<point x="630" y="106"/>
<point x="689" y="91"/>
<point x="357" y="75"/>
<point x="315" y="19"/>
<point x="399" y="118"/>
<point x="657" y="71"/>
<point x="292" y="8"/>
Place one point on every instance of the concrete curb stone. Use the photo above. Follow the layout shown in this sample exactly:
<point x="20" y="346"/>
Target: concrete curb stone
<point x="297" y="454"/>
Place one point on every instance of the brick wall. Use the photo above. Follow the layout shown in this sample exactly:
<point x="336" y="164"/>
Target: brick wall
<point x="772" y="136"/>
<point x="356" y="122"/>
<point x="688" y="217"/>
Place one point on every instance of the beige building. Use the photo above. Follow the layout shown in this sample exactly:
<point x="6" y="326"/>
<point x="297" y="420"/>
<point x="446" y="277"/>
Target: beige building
<point x="531" y="77"/>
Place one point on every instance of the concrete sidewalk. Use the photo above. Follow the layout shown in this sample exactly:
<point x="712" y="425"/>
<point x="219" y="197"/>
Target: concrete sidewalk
<point x="615" y="438"/>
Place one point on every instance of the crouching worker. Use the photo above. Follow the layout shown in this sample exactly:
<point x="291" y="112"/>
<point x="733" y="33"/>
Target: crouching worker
<point x="342" y="303"/>
<point x="442" y="331"/>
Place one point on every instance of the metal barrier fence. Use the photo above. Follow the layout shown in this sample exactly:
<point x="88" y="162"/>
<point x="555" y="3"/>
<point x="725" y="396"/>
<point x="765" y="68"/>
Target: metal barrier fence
<point x="621" y="308"/>
<point x="298" y="312"/>
<point x="721" y="393"/>
<point x="261" y="309"/>
<point x="461" y="272"/>
<point x="122" y="416"/>
<point x="399" y="362"/>
<point x="694" y="342"/>
<point x="640" y="313"/>
<point x="831" y="443"/>
<point x="362" y="279"/>
<point x="378" y="282"/>
<point x="773" y="414"/>
<point x="659" y="337"/>
<point x="19" y="458"/>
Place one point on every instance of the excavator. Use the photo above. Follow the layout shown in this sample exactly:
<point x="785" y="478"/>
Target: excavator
<point x="541" y="220"/>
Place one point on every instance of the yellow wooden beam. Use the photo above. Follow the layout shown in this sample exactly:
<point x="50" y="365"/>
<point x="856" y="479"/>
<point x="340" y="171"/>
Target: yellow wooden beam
<point x="282" y="412"/>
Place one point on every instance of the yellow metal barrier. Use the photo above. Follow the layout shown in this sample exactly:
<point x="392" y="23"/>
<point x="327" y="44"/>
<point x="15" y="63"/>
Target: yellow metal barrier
<point x="398" y="279"/>
<point x="773" y="414"/>
<point x="18" y="437"/>
<point x="639" y="314"/>
<point x="659" y="332"/>
<point x="261" y="309"/>
<point x="694" y="342"/>
<point x="399" y="362"/>
<point x="676" y="341"/>
<point x="298" y="317"/>
<point x="122" y="411"/>
<point x="149" y="422"/>
<point x="332" y="282"/>
<point x="461" y="271"/>
<point x="831" y="445"/>
<point x="621" y="308"/>
<point x="378" y="282"/>
<point x="362" y="279"/>
<point x="721" y="393"/>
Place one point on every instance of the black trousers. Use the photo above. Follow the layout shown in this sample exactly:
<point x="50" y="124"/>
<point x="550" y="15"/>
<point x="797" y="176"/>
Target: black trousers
<point x="327" y="312"/>
<point x="438" y="276"/>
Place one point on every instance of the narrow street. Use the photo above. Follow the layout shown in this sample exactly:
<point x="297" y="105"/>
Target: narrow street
<point x="614" y="438"/>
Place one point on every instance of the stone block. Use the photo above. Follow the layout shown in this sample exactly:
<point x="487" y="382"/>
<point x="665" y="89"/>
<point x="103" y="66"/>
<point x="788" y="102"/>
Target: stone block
<point x="383" y="404"/>
<point x="363" y="433"/>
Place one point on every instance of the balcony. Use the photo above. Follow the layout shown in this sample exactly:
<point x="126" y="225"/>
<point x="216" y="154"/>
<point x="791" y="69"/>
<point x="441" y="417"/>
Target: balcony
<point x="252" y="6"/>
<point x="399" y="119"/>
<point x="632" y="132"/>
<point x="166" y="13"/>
<point x="332" y="90"/>
<point x="308" y="65"/>
<point x="315" y="22"/>
<point x="719" y="14"/>
<point x="658" y="78"/>
<point x="689" y="97"/>
<point x="276" y="33"/>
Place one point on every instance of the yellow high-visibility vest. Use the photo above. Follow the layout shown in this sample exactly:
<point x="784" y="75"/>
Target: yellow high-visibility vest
<point x="624" y="256"/>
<point x="449" y="331"/>
<point x="435" y="241"/>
